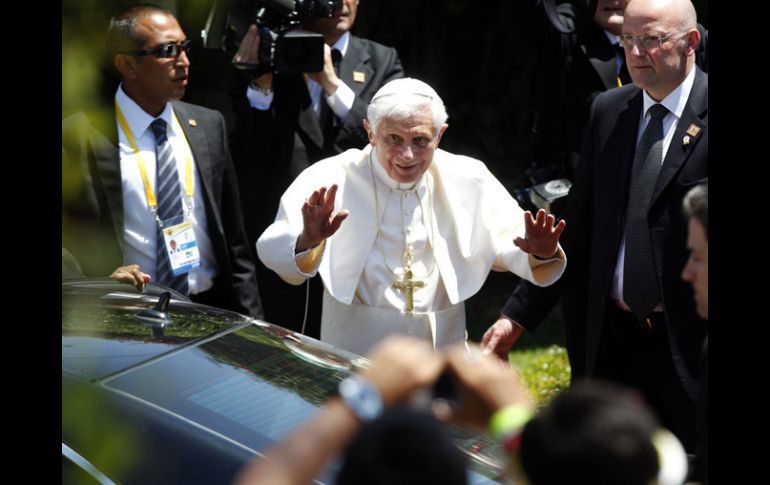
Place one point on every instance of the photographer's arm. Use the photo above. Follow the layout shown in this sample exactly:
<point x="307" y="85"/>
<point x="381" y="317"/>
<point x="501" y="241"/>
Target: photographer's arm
<point x="399" y="365"/>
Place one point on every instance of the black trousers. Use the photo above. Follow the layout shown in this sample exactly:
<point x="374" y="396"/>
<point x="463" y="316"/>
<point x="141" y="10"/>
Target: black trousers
<point x="638" y="355"/>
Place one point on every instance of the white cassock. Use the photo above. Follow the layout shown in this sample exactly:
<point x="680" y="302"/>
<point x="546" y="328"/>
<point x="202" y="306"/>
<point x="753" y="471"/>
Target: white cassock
<point x="457" y="221"/>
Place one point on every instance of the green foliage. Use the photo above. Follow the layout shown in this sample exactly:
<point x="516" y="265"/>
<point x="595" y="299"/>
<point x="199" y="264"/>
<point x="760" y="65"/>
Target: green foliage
<point x="545" y="371"/>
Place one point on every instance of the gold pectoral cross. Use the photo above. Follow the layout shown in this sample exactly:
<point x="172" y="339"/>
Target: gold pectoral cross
<point x="408" y="283"/>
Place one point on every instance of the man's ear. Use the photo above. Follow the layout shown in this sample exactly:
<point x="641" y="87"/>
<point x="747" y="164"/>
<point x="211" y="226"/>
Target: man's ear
<point x="441" y="132"/>
<point x="693" y="39"/>
<point x="125" y="66"/>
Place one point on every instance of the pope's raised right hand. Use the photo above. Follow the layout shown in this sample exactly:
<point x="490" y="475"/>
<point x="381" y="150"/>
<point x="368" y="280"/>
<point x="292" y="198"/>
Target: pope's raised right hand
<point x="319" y="219"/>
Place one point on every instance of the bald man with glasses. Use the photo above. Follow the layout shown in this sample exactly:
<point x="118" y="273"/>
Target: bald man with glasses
<point x="158" y="190"/>
<point x="628" y="313"/>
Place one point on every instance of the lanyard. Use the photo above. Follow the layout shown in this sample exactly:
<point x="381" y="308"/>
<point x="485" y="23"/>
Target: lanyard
<point x="152" y="202"/>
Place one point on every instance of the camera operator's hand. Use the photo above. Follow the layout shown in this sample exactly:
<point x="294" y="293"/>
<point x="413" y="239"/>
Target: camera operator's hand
<point x="248" y="54"/>
<point x="542" y="236"/>
<point x="327" y="77"/>
<point x="319" y="219"/>
<point x="485" y="385"/>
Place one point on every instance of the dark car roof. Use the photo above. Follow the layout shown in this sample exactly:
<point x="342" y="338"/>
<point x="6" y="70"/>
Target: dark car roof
<point x="102" y="334"/>
<point x="216" y="375"/>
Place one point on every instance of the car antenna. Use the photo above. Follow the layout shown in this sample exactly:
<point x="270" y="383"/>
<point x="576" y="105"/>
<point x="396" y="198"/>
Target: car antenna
<point x="158" y="316"/>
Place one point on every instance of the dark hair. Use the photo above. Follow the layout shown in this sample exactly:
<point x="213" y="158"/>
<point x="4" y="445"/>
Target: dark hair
<point x="594" y="433"/>
<point x="696" y="205"/>
<point x="121" y="33"/>
<point x="402" y="447"/>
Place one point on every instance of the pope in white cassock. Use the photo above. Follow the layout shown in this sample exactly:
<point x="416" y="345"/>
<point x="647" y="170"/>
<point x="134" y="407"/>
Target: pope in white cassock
<point x="417" y="231"/>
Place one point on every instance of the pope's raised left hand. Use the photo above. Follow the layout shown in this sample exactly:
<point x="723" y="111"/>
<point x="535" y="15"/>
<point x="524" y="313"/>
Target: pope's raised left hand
<point x="542" y="234"/>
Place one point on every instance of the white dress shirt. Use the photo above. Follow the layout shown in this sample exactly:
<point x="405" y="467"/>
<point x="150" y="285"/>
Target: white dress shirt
<point x="139" y="225"/>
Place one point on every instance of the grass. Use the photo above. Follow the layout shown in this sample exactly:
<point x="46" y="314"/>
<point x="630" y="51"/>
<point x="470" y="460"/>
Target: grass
<point x="545" y="371"/>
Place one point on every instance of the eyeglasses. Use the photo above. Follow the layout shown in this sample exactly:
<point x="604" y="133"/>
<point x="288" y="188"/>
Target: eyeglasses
<point x="166" y="50"/>
<point x="645" y="41"/>
<point x="417" y="143"/>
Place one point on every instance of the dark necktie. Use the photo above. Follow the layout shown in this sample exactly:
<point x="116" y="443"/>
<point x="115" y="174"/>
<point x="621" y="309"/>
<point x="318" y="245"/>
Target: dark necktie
<point x="623" y="75"/>
<point x="169" y="196"/>
<point x="640" y="285"/>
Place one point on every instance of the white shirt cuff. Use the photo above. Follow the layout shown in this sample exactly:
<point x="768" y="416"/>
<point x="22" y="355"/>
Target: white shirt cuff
<point x="259" y="100"/>
<point x="341" y="100"/>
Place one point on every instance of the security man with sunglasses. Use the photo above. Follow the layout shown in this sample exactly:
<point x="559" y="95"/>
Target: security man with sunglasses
<point x="159" y="187"/>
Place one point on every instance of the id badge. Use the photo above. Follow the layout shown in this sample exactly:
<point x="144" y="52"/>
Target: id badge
<point x="181" y="247"/>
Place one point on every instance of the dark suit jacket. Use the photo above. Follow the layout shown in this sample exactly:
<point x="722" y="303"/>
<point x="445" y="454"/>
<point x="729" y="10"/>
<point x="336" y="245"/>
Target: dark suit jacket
<point x="595" y="222"/>
<point x="93" y="207"/>
<point x="271" y="147"/>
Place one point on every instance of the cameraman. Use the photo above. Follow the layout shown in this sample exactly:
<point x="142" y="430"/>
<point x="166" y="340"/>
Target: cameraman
<point x="286" y="122"/>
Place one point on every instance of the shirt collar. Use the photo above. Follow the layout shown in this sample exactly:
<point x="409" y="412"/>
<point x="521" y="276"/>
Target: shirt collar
<point x="382" y="176"/>
<point x="342" y="43"/>
<point x="676" y="99"/>
<point x="611" y="37"/>
<point x="138" y="120"/>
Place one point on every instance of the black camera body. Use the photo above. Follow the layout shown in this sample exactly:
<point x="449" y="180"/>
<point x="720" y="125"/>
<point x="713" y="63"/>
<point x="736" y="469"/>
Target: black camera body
<point x="284" y="47"/>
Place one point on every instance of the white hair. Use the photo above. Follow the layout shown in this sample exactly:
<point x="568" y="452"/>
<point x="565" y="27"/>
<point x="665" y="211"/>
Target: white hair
<point x="402" y="98"/>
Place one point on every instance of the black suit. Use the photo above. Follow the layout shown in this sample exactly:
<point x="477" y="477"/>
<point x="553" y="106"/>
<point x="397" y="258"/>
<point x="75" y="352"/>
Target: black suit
<point x="95" y="208"/>
<point x="595" y="224"/>
<point x="271" y="147"/>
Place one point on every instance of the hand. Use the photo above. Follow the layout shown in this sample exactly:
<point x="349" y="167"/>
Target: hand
<point x="318" y="220"/>
<point x="132" y="275"/>
<point x="485" y="385"/>
<point x="400" y="365"/>
<point x="248" y="53"/>
<point x="542" y="237"/>
<point x="500" y="337"/>
<point x="326" y="77"/>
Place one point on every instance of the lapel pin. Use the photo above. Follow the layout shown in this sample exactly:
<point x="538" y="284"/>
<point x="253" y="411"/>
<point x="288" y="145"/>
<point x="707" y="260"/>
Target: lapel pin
<point x="359" y="77"/>
<point x="192" y="122"/>
<point x="686" y="140"/>
<point x="693" y="130"/>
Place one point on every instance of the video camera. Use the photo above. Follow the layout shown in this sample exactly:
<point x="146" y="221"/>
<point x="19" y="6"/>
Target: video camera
<point x="284" y="47"/>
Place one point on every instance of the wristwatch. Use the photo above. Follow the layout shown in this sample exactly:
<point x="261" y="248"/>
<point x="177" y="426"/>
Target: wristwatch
<point x="361" y="397"/>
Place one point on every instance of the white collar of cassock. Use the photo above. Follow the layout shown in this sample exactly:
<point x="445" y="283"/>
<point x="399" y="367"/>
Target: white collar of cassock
<point x="382" y="176"/>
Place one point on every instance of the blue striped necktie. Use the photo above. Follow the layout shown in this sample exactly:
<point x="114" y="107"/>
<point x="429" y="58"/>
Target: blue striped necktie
<point x="169" y="195"/>
<point x="640" y="284"/>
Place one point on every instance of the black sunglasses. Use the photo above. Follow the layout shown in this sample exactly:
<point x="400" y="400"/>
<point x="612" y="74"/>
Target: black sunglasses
<point x="166" y="50"/>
